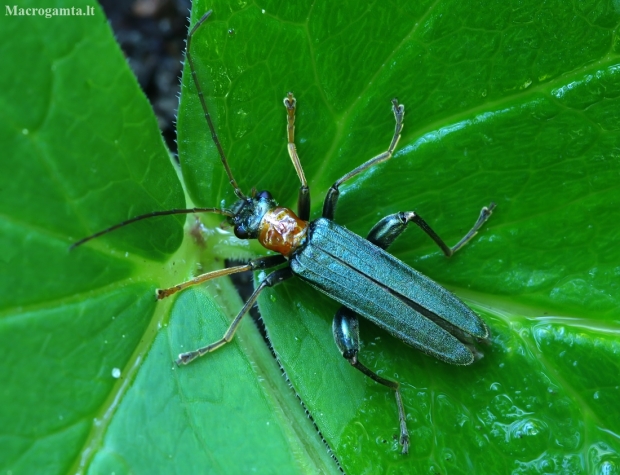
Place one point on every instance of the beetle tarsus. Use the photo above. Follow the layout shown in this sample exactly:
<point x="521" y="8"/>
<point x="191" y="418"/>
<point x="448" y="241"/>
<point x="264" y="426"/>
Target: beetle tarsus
<point x="404" y="433"/>
<point x="184" y="358"/>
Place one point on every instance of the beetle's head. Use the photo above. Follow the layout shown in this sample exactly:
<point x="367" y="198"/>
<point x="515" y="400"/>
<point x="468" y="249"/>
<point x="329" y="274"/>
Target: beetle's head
<point x="249" y="212"/>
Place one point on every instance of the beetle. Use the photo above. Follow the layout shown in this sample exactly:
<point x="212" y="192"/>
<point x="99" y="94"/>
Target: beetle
<point x="357" y="272"/>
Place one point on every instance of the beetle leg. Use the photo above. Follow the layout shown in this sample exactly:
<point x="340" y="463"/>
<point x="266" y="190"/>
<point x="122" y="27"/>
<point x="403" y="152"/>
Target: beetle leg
<point x="272" y="279"/>
<point x="255" y="264"/>
<point x="345" y="328"/>
<point x="329" y="206"/>
<point x="385" y="232"/>
<point x="303" y="201"/>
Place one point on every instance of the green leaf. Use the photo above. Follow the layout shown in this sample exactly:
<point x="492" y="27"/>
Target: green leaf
<point x="512" y="103"/>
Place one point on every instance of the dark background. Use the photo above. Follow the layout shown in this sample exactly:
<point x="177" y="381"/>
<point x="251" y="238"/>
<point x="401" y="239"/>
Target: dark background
<point x="152" y="36"/>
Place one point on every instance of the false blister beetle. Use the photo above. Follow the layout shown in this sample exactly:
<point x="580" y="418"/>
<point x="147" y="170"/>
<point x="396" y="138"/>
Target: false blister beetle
<point x="356" y="272"/>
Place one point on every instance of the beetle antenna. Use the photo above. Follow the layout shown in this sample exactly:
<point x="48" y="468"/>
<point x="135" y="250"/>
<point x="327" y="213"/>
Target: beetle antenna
<point x="216" y="141"/>
<point x="151" y="215"/>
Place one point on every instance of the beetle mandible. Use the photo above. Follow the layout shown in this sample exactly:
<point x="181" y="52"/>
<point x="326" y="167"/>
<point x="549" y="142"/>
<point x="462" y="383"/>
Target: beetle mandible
<point x="356" y="272"/>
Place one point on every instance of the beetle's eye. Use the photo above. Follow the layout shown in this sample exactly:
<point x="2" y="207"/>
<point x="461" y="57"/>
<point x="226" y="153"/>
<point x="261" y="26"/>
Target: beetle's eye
<point x="263" y="195"/>
<point x="241" y="232"/>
